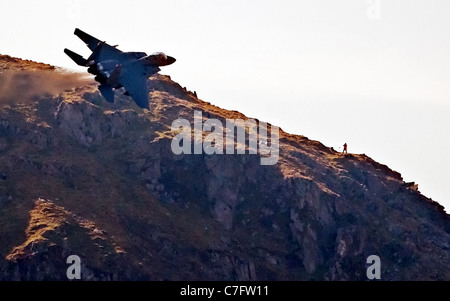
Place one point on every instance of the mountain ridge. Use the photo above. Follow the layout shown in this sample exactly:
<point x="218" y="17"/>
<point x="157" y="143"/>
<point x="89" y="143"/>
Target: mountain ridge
<point x="81" y="176"/>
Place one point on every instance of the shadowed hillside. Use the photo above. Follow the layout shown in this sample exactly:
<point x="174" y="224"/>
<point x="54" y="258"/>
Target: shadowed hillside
<point x="82" y="176"/>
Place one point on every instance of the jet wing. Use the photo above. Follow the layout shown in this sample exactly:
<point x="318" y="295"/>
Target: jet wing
<point x="134" y="80"/>
<point x="107" y="92"/>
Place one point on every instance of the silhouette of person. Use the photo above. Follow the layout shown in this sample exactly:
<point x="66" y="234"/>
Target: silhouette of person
<point x="345" y="148"/>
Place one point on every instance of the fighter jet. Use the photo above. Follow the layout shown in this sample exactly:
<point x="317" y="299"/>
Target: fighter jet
<point x="115" y="69"/>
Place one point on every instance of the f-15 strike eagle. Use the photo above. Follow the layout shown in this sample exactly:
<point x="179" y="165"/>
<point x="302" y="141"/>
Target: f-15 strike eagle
<point x="115" y="69"/>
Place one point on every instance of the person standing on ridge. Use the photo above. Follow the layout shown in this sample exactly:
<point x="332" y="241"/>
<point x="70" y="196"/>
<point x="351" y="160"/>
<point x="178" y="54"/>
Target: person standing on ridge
<point x="345" y="148"/>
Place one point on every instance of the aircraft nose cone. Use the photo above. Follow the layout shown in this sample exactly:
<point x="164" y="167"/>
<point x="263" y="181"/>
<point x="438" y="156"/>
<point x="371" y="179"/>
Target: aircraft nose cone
<point x="170" y="60"/>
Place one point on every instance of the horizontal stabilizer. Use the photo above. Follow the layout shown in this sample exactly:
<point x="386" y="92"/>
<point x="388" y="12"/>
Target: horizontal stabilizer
<point x="76" y="58"/>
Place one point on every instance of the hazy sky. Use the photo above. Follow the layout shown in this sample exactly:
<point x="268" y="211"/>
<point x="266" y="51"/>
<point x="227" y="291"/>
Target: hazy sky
<point x="372" y="73"/>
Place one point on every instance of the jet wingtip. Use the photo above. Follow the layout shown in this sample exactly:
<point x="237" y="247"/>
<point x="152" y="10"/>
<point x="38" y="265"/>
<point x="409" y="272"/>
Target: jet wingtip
<point x="143" y="104"/>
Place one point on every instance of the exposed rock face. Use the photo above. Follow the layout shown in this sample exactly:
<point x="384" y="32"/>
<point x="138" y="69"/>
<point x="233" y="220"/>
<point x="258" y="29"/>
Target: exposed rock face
<point x="81" y="176"/>
<point x="52" y="235"/>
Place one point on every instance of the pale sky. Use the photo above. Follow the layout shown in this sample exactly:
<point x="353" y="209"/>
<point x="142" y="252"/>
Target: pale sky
<point x="372" y="73"/>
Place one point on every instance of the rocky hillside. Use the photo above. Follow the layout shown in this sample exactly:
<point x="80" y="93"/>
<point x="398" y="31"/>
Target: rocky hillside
<point x="80" y="176"/>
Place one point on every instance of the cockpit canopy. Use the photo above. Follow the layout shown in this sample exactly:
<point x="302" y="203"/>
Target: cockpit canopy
<point x="158" y="59"/>
<point x="160" y="55"/>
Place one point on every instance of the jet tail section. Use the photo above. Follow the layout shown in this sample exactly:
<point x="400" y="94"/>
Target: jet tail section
<point x="76" y="58"/>
<point x="90" y="41"/>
